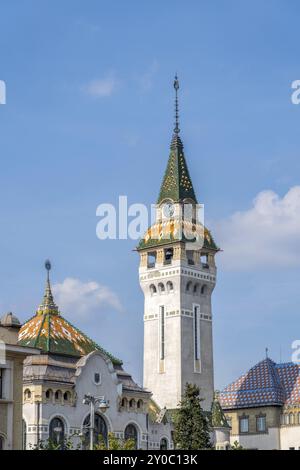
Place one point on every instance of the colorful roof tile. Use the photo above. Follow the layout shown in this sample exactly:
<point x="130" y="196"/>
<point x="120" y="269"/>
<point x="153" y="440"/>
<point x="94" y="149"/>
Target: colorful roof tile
<point x="177" y="184"/>
<point x="174" y="230"/>
<point x="52" y="333"/>
<point x="265" y="384"/>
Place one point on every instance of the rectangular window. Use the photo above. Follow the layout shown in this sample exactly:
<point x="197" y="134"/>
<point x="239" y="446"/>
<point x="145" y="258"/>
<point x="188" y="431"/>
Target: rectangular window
<point x="151" y="259"/>
<point x="168" y="255"/>
<point x="162" y="331"/>
<point x="261" y="424"/>
<point x="244" y="424"/>
<point x="196" y="333"/>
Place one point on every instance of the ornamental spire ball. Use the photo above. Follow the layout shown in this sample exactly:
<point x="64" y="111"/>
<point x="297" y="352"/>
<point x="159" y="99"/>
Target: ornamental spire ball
<point x="47" y="265"/>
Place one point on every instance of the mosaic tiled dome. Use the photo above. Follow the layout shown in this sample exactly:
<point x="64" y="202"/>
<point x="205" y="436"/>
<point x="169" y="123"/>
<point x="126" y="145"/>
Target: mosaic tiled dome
<point x="162" y="233"/>
<point x="49" y="331"/>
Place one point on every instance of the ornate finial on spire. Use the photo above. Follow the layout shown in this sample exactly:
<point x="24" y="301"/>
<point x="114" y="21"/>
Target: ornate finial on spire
<point x="48" y="267"/>
<point x="267" y="350"/>
<point x="176" y="86"/>
<point x="48" y="305"/>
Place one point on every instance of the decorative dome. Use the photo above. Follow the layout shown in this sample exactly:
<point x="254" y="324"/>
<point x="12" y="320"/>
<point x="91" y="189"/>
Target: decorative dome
<point x="169" y="231"/>
<point x="10" y="320"/>
<point x="52" y="333"/>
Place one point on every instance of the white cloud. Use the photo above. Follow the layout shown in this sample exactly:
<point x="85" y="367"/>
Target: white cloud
<point x="81" y="299"/>
<point x="102" y="87"/>
<point x="146" y="79"/>
<point x="265" y="236"/>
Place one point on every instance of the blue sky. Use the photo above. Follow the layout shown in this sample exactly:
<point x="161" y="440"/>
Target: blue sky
<point x="89" y="117"/>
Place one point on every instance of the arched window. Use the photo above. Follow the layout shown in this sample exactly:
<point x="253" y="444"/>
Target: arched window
<point x="153" y="289"/>
<point x="131" y="433"/>
<point x="196" y="289"/>
<point x="49" y="394"/>
<point x="67" y="396"/>
<point x="57" y="432"/>
<point x="140" y="404"/>
<point x="161" y="287"/>
<point x="27" y="394"/>
<point x="124" y="402"/>
<point x="170" y="287"/>
<point x="24" y="431"/>
<point x="1" y="443"/>
<point x="58" y="395"/>
<point x="100" y="431"/>
<point x="163" y="444"/>
<point x="132" y="403"/>
<point x="204" y="289"/>
<point x="189" y="286"/>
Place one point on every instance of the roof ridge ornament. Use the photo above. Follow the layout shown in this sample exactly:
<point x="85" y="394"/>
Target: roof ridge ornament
<point x="48" y="305"/>
<point x="176" y="87"/>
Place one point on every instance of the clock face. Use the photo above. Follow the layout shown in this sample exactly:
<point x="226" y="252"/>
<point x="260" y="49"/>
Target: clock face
<point x="168" y="209"/>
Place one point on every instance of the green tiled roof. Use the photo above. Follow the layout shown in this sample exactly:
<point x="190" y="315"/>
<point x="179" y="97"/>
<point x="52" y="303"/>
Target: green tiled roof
<point x="52" y="333"/>
<point x="177" y="184"/>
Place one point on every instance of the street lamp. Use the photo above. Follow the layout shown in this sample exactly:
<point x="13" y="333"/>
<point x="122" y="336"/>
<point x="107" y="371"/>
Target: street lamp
<point x="103" y="406"/>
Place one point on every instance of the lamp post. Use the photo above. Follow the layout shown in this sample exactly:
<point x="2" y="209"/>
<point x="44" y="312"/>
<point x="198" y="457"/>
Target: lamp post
<point x="92" y="401"/>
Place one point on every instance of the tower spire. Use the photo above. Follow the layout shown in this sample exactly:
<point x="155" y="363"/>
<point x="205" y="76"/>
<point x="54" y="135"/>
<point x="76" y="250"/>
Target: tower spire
<point x="48" y="305"/>
<point x="176" y="87"/>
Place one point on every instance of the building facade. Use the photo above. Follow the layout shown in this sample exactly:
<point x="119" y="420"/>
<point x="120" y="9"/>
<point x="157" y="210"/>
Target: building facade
<point x="177" y="275"/>
<point x="69" y="367"/>
<point x="263" y="407"/>
<point x="11" y="378"/>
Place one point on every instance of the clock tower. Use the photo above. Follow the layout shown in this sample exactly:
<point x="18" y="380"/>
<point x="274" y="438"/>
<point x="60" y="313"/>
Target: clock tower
<point x="177" y="275"/>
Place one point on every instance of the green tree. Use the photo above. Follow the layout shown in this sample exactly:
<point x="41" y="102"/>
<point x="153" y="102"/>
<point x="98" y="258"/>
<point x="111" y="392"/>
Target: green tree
<point x="191" y="427"/>
<point x="115" y="443"/>
<point x="236" y="446"/>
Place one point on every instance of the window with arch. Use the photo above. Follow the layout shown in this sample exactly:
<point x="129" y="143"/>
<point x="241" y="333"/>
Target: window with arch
<point x="1" y="443"/>
<point x="196" y="289"/>
<point x="161" y="287"/>
<point x="140" y="404"/>
<point x="67" y="396"/>
<point x="163" y="444"/>
<point x="100" y="430"/>
<point x="132" y="403"/>
<point x="170" y="287"/>
<point x="57" y="431"/>
<point x="58" y="395"/>
<point x="124" y="402"/>
<point x="131" y="433"/>
<point x="153" y="289"/>
<point x="204" y="289"/>
<point x="27" y="394"/>
<point x="189" y="286"/>
<point x="49" y="394"/>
